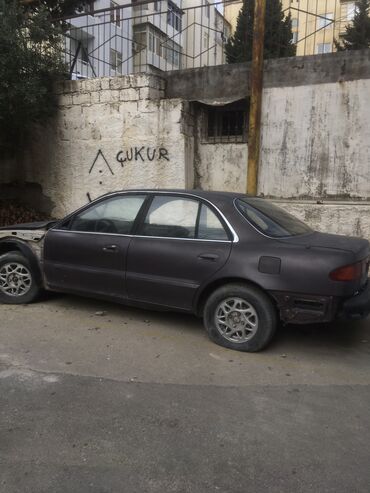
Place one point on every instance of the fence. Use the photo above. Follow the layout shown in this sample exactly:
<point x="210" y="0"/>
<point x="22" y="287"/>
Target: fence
<point x="318" y="24"/>
<point x="143" y="37"/>
<point x="164" y="35"/>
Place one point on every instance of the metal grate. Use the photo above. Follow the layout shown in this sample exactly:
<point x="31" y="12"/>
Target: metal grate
<point x="171" y="34"/>
<point x="145" y="36"/>
<point x="224" y="124"/>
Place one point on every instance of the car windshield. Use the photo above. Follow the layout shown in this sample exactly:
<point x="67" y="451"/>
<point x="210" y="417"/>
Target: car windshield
<point x="271" y="220"/>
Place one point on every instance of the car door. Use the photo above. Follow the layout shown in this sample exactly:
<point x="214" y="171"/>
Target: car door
<point x="87" y="252"/>
<point x="180" y="243"/>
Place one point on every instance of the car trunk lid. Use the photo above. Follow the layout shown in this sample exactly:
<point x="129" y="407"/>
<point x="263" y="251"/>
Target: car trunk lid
<point x="358" y="249"/>
<point x="357" y="246"/>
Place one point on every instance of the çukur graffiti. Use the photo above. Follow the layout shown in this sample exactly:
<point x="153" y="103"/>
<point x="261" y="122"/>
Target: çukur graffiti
<point x="136" y="154"/>
<point x="143" y="154"/>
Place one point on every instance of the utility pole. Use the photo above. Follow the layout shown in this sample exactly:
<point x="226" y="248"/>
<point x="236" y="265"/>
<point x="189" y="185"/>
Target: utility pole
<point x="254" y="134"/>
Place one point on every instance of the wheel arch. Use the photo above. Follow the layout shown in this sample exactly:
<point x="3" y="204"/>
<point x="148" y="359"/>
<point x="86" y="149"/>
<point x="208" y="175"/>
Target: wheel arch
<point x="210" y="288"/>
<point x="16" y="246"/>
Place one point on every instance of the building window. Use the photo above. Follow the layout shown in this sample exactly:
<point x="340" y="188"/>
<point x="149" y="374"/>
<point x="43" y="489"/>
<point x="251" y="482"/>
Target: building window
<point x="350" y="11"/>
<point x="88" y="7"/>
<point x="295" y="37"/>
<point x="325" y="21"/>
<point x="172" y="53"/>
<point x="206" y="40"/>
<point x="139" y="8"/>
<point x="84" y="56"/>
<point x="140" y="40"/>
<point x="174" y="16"/>
<point x="156" y="6"/>
<point x="115" y="15"/>
<point x="323" y="48"/>
<point x="155" y="44"/>
<point x="206" y="8"/>
<point x="116" y="60"/>
<point x="295" y="23"/>
<point x="226" y="123"/>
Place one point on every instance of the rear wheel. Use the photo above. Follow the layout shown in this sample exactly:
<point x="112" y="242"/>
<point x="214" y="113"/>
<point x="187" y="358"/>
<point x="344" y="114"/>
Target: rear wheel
<point x="240" y="317"/>
<point x="17" y="280"/>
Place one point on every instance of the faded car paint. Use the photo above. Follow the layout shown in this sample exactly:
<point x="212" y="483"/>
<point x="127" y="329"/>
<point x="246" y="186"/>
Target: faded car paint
<point x="294" y="271"/>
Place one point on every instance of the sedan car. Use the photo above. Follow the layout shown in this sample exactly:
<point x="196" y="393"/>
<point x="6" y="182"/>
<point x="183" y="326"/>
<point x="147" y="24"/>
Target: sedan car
<point x="239" y="262"/>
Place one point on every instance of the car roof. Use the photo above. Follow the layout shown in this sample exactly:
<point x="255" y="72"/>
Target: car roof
<point x="207" y="194"/>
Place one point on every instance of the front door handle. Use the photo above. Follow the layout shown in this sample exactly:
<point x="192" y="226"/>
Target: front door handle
<point x="208" y="256"/>
<point x="110" y="248"/>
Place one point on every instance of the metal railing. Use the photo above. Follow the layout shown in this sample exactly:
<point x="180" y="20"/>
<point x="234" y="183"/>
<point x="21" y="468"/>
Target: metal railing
<point x="318" y="24"/>
<point x="144" y="37"/>
<point x="166" y="35"/>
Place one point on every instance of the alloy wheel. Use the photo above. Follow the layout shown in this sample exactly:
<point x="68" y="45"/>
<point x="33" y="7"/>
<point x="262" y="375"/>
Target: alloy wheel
<point x="15" y="279"/>
<point x="236" y="320"/>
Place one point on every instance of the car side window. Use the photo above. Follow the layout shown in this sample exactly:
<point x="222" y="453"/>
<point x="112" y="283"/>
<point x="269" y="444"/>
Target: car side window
<point x="210" y="227"/>
<point x="168" y="216"/>
<point x="113" y="215"/>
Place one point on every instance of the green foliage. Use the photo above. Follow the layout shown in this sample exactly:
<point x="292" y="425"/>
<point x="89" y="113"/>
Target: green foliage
<point x="61" y="8"/>
<point x="357" y="35"/>
<point x="278" y="33"/>
<point x="30" y="62"/>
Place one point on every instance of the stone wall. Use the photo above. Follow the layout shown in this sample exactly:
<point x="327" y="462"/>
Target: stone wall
<point x="110" y="134"/>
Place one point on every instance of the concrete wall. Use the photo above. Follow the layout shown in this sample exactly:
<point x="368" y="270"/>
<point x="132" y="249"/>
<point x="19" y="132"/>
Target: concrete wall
<point x="232" y="82"/>
<point x="110" y="134"/>
<point x="315" y="126"/>
<point x="221" y="166"/>
<point x="316" y="141"/>
<point x="340" y="217"/>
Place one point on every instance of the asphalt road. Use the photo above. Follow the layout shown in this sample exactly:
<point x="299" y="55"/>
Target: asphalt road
<point x="138" y="401"/>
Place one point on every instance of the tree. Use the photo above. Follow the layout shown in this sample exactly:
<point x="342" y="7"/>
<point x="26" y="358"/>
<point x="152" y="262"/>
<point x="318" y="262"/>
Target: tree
<point x="357" y="35"/>
<point x="30" y="62"/>
<point x="278" y="33"/>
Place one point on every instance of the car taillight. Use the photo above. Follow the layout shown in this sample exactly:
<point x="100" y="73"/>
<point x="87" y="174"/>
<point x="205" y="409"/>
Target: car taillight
<point x="348" y="272"/>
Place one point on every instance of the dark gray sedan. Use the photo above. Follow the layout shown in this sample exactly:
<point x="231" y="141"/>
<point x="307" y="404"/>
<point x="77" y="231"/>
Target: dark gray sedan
<point x="238" y="261"/>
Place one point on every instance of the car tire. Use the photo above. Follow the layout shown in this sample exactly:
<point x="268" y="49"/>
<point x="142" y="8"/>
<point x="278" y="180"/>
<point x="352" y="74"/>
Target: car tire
<point x="240" y="317"/>
<point x="18" y="284"/>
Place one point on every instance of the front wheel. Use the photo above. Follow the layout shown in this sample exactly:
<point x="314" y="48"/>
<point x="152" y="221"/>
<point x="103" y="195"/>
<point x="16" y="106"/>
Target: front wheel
<point x="240" y="317"/>
<point x="17" y="280"/>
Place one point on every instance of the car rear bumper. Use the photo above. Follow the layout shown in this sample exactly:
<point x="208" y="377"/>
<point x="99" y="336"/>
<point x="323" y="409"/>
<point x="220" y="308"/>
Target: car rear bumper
<point x="307" y="309"/>
<point x="298" y="308"/>
<point x="357" y="306"/>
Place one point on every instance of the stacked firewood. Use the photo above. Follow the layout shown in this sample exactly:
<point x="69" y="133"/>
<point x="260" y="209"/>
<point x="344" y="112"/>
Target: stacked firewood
<point x="13" y="213"/>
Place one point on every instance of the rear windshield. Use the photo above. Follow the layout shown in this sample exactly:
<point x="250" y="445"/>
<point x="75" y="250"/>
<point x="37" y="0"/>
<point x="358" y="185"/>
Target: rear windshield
<point x="271" y="220"/>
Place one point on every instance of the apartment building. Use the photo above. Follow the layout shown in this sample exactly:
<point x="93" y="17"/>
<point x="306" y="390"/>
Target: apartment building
<point x="315" y="23"/>
<point x="206" y="33"/>
<point x="100" y="44"/>
<point x="164" y="35"/>
<point x="158" y="30"/>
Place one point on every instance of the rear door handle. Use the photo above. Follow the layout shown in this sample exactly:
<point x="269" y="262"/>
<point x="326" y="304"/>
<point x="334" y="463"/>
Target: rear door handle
<point x="110" y="248"/>
<point x="208" y="256"/>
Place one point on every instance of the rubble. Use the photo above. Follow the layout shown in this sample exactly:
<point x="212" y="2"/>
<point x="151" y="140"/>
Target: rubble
<point x="13" y="213"/>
